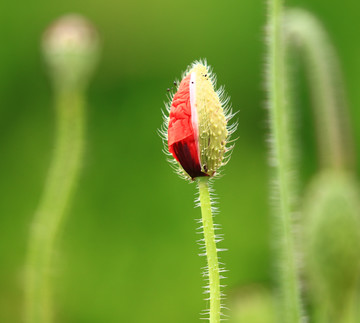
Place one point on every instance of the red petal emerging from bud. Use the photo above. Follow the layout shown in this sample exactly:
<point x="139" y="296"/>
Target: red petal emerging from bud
<point x="181" y="135"/>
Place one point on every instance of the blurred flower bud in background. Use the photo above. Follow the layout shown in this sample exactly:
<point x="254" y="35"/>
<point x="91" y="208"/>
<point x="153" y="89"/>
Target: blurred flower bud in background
<point x="71" y="49"/>
<point x="332" y="244"/>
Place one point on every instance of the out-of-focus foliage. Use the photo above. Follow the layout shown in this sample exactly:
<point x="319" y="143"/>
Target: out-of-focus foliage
<point x="252" y="304"/>
<point x="128" y="251"/>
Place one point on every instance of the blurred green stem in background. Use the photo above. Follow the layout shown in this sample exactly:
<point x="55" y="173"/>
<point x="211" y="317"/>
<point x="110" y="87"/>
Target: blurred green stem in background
<point x="70" y="48"/>
<point x="63" y="174"/>
<point x="302" y="29"/>
<point x="305" y="33"/>
<point x="330" y="210"/>
<point x="283" y="161"/>
<point x="211" y="250"/>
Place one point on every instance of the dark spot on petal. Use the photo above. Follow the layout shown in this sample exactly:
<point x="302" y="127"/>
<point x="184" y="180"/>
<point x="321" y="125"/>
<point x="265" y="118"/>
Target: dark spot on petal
<point x="186" y="160"/>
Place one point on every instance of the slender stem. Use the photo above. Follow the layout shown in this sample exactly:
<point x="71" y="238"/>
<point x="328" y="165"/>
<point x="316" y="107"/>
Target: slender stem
<point x="305" y="32"/>
<point x="62" y="176"/>
<point x="211" y="250"/>
<point x="281" y="132"/>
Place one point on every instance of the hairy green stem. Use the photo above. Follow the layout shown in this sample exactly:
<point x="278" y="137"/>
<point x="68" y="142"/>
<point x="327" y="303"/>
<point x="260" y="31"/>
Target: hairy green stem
<point x="211" y="250"/>
<point x="59" y="185"/>
<point x="304" y="32"/>
<point x="281" y="133"/>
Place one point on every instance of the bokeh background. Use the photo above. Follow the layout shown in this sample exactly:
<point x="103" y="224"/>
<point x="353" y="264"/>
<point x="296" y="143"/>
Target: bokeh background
<point x="127" y="252"/>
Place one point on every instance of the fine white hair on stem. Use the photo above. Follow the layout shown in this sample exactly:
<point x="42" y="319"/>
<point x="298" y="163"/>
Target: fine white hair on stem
<point x="201" y="242"/>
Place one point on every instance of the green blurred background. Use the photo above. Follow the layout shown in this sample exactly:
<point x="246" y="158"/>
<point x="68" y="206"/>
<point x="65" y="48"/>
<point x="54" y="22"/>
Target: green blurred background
<point x="127" y="252"/>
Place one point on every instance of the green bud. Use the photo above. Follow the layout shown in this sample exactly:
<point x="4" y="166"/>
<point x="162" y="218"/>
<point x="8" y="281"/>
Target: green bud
<point x="71" y="48"/>
<point x="332" y="243"/>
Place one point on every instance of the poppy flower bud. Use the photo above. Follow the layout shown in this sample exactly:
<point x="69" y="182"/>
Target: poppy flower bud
<point x="71" y="47"/>
<point x="197" y="127"/>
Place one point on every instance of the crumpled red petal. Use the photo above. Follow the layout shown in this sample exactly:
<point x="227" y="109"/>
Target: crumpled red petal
<point x="181" y="139"/>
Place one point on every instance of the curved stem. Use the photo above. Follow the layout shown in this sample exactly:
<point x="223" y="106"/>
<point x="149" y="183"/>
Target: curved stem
<point x="211" y="250"/>
<point x="305" y="32"/>
<point x="285" y="177"/>
<point x="62" y="176"/>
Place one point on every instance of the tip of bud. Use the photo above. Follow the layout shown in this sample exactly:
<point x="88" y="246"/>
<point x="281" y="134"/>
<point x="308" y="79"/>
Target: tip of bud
<point x="71" y="46"/>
